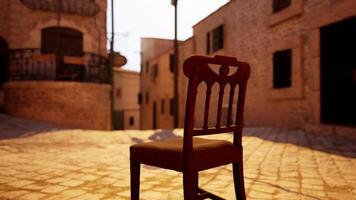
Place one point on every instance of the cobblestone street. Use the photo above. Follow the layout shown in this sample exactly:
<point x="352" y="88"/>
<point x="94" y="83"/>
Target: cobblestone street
<point x="39" y="161"/>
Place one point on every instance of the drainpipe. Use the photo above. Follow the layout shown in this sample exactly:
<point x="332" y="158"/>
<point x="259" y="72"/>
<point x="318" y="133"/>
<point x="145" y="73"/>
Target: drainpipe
<point x="112" y="82"/>
<point x="176" y="70"/>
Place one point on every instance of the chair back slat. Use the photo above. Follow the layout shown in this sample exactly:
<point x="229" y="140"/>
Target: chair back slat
<point x="220" y="102"/>
<point x="206" y="109"/>
<point x="229" y="111"/>
<point x="197" y="69"/>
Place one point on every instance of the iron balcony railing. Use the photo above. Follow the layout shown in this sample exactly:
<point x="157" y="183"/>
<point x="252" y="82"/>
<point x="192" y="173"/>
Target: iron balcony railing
<point x="31" y="64"/>
<point x="79" y="7"/>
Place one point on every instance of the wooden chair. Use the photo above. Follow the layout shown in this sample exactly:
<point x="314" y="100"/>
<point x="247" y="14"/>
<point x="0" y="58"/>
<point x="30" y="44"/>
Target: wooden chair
<point x="193" y="154"/>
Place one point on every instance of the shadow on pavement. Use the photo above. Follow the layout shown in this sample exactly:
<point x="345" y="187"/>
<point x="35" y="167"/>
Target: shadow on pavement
<point x="333" y="144"/>
<point x="163" y="134"/>
<point x="12" y="127"/>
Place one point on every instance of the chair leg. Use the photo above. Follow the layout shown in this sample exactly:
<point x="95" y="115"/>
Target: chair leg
<point x="135" y="179"/>
<point x="239" y="181"/>
<point x="190" y="185"/>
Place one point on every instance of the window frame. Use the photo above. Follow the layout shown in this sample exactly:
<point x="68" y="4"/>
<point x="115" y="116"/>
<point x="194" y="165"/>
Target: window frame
<point x="296" y="91"/>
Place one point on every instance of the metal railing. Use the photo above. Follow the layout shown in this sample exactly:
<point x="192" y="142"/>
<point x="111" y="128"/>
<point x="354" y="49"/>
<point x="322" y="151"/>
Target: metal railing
<point x="31" y="64"/>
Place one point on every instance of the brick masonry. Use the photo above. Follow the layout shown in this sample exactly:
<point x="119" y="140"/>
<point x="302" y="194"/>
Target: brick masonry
<point x="68" y="104"/>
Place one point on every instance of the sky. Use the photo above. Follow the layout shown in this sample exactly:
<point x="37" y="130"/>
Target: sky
<point x="134" y="19"/>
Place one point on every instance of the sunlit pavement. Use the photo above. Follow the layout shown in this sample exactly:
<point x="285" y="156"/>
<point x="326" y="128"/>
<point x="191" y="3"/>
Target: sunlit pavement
<point x="40" y="161"/>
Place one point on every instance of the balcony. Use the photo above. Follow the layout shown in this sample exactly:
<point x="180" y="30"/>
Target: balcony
<point x="78" y="7"/>
<point x="31" y="64"/>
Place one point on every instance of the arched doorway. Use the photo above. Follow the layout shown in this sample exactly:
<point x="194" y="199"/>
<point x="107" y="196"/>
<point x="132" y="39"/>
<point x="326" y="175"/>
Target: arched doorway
<point x="62" y="41"/>
<point x="67" y="43"/>
<point x="3" y="61"/>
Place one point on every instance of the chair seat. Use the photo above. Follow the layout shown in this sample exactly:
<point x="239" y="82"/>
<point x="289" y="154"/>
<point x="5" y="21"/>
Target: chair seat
<point x="168" y="154"/>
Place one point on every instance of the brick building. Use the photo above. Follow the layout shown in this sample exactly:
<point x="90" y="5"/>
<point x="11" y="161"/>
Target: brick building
<point x="127" y="108"/>
<point x="53" y="62"/>
<point x="303" y="74"/>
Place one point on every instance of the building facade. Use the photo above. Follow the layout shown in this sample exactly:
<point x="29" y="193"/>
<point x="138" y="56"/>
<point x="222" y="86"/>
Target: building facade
<point x="302" y="71"/>
<point x="126" y="105"/>
<point x="156" y="91"/>
<point x="53" y="62"/>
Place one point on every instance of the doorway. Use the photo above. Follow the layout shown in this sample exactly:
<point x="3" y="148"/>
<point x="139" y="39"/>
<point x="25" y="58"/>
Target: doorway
<point x="338" y="73"/>
<point x="3" y="61"/>
<point x="63" y="41"/>
<point x="154" y="117"/>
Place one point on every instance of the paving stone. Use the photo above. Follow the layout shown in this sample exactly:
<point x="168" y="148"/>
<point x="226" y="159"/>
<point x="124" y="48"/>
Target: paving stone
<point x="12" y="194"/>
<point x="57" y="180"/>
<point x="35" y="186"/>
<point x="72" y="183"/>
<point x="53" y="189"/>
<point x="72" y="193"/>
<point x="32" y="196"/>
<point x="20" y="183"/>
<point x="89" y="197"/>
<point x="88" y="177"/>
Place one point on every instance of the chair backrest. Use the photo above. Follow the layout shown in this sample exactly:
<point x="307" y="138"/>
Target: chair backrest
<point x="197" y="69"/>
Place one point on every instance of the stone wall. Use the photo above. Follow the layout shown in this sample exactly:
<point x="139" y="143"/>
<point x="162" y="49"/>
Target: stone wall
<point x="67" y="104"/>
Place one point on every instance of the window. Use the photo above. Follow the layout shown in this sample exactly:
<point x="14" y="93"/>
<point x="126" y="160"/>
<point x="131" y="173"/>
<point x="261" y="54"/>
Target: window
<point x="147" y="67"/>
<point x="171" y="62"/>
<point x="147" y="97"/>
<point x="154" y="71"/>
<point x="281" y="10"/>
<point x="162" y="106"/>
<point x="139" y="98"/>
<point x="132" y="121"/>
<point x="208" y="43"/>
<point x="172" y="106"/>
<point x="3" y="61"/>
<point x="279" y="5"/>
<point x="282" y="69"/>
<point x="118" y="92"/>
<point x="218" y="38"/>
<point x="217" y="41"/>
